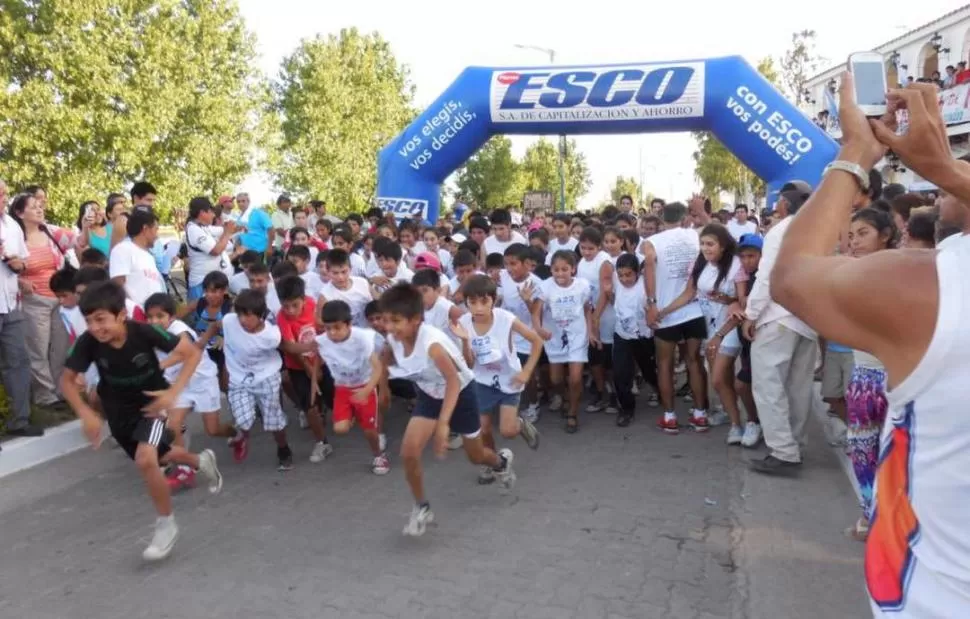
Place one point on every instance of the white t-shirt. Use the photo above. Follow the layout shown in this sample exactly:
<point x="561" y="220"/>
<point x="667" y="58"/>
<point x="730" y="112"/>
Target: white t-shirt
<point x="438" y="317"/>
<point x="420" y="368"/>
<point x="137" y="266"/>
<point x="273" y="302"/>
<point x="496" y="362"/>
<point x="716" y="314"/>
<point x="200" y="240"/>
<point x="512" y="302"/>
<point x="738" y="230"/>
<point x="590" y="271"/>
<point x="564" y="315"/>
<point x="75" y="324"/>
<point x="357" y="297"/>
<point x="404" y="274"/>
<point x="14" y="246"/>
<point x="676" y="250"/>
<point x="204" y="372"/>
<point x="555" y="245"/>
<point x="349" y="360"/>
<point x="630" y="305"/>
<point x="238" y="282"/>
<point x="313" y="284"/>
<point x="358" y="267"/>
<point x="494" y="246"/>
<point x="250" y="357"/>
<point x="371" y="268"/>
<point x="281" y="221"/>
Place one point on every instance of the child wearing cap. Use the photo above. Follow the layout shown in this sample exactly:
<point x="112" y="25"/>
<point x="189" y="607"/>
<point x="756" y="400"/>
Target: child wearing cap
<point x="749" y="252"/>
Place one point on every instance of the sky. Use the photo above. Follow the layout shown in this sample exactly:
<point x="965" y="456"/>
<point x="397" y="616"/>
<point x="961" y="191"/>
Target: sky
<point x="438" y="39"/>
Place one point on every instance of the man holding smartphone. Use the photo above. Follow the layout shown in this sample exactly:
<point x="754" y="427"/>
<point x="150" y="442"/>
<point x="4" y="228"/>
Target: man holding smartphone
<point x="14" y="364"/>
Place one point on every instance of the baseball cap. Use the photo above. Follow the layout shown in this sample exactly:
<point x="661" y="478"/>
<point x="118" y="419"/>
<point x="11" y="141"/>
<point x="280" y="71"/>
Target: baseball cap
<point x="751" y="240"/>
<point x="458" y="237"/>
<point x="795" y="192"/>
<point x="427" y="260"/>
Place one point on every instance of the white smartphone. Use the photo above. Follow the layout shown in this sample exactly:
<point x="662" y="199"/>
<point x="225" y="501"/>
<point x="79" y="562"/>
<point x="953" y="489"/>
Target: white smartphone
<point x="869" y="75"/>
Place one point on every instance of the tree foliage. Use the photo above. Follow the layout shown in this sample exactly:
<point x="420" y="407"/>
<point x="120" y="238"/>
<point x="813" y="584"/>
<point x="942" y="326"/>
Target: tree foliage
<point x="102" y="93"/>
<point x="800" y="62"/>
<point x="717" y="169"/>
<point x="540" y="171"/>
<point x="340" y="99"/>
<point x="625" y="186"/>
<point x="492" y="176"/>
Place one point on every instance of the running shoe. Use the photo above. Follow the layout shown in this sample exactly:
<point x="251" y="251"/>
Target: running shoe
<point x="321" y="451"/>
<point x="718" y="418"/>
<point x="669" y="425"/>
<point x="166" y="532"/>
<point x="304" y="423"/>
<point x="381" y="465"/>
<point x="699" y="423"/>
<point x="529" y="433"/>
<point x="240" y="446"/>
<point x="735" y="435"/>
<point x="284" y="457"/>
<point x="596" y="405"/>
<point x="210" y="470"/>
<point x="611" y="406"/>
<point x="506" y="476"/>
<point x="421" y="517"/>
<point x="555" y="403"/>
<point x="752" y="434"/>
<point x="179" y="477"/>
<point x="653" y="400"/>
<point x="531" y="414"/>
<point x="486" y="475"/>
<point x="454" y="441"/>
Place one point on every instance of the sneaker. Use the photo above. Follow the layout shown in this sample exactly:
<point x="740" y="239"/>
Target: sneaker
<point x="320" y="452"/>
<point x="166" y="532"/>
<point x="284" y="457"/>
<point x="454" y="441"/>
<point x="752" y="434"/>
<point x="699" y="423"/>
<point x="771" y="465"/>
<point x="685" y="393"/>
<point x="382" y="441"/>
<point x="240" y="446"/>
<point x="595" y="405"/>
<point x="304" y="424"/>
<point x="669" y="425"/>
<point x="635" y="387"/>
<point x="486" y="476"/>
<point x="506" y="476"/>
<point x="555" y="403"/>
<point x="680" y="368"/>
<point x="735" y="435"/>
<point x="179" y="477"/>
<point x="529" y="433"/>
<point x="381" y="465"/>
<point x="653" y="400"/>
<point x="835" y="431"/>
<point x="718" y="418"/>
<point x="209" y="470"/>
<point x="611" y="407"/>
<point x="531" y="414"/>
<point x="421" y="517"/>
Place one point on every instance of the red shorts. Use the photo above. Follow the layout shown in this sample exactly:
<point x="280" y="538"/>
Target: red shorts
<point x="364" y="412"/>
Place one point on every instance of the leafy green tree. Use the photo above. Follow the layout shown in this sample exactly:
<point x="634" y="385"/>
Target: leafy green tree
<point x="800" y="62"/>
<point x="340" y="99"/>
<point x="101" y="93"/>
<point x="625" y="186"/>
<point x="491" y="178"/>
<point x="717" y="169"/>
<point x="540" y="171"/>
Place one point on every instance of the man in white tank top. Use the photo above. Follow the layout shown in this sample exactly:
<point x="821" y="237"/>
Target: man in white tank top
<point x="909" y="310"/>
<point x="668" y="257"/>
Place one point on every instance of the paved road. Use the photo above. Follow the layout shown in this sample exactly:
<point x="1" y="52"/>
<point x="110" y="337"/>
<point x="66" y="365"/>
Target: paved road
<point x="608" y="523"/>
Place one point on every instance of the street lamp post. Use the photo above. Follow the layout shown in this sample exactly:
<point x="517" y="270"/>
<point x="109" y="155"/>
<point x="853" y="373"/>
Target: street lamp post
<point x="562" y="138"/>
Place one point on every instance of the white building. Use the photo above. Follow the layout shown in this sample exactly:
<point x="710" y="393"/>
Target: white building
<point x="920" y="53"/>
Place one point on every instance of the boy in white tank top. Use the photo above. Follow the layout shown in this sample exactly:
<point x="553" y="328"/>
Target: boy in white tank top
<point x="446" y="400"/>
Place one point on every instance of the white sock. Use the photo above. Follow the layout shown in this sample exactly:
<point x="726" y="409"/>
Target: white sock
<point x="700" y="413"/>
<point x="670" y="416"/>
<point x="167" y="520"/>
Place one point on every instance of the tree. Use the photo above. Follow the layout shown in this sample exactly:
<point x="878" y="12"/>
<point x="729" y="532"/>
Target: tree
<point x="491" y="178"/>
<point x="625" y="187"/>
<point x="100" y="93"/>
<point x="799" y="63"/>
<point x="540" y="171"/>
<point x="717" y="169"/>
<point x="340" y="99"/>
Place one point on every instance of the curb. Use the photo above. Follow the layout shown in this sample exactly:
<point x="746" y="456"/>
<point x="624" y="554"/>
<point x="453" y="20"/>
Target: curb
<point x="27" y="452"/>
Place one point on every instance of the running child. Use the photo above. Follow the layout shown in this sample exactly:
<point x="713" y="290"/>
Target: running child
<point x="514" y="279"/>
<point x="134" y="397"/>
<point x="563" y="303"/>
<point x="562" y="239"/>
<point x="633" y="339"/>
<point x="211" y="308"/>
<point x="261" y="281"/>
<point x="596" y="268"/>
<point x="349" y="352"/>
<point x="202" y="393"/>
<point x="344" y="286"/>
<point x="446" y="399"/>
<point x="397" y="387"/>
<point x="254" y="364"/>
<point x="64" y="289"/>
<point x="392" y="270"/>
<point x="466" y="265"/>
<point x="240" y="281"/>
<point x="486" y="333"/>
<point x="297" y="324"/>
<point x="343" y="239"/>
<point x="299" y="256"/>
<point x="749" y="251"/>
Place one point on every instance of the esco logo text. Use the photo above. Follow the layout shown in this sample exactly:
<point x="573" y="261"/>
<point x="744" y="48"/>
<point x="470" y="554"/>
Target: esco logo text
<point x="403" y="207"/>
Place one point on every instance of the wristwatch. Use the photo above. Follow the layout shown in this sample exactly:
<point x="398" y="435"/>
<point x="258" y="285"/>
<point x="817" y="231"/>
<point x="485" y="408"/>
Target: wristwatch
<point x="651" y="301"/>
<point x="856" y="170"/>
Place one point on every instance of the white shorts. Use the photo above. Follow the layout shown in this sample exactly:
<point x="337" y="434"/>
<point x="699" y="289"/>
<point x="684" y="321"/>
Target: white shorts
<point x="201" y="400"/>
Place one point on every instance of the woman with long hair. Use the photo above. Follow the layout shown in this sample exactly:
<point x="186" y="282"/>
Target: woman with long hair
<point x="866" y="405"/>
<point x="94" y="229"/>
<point x="47" y="340"/>
<point x="719" y="284"/>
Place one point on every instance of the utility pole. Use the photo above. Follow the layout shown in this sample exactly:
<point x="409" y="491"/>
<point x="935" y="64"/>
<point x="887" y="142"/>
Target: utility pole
<point x="562" y="138"/>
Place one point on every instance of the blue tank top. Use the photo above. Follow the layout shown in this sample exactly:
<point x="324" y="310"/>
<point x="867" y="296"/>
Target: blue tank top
<point x="102" y="243"/>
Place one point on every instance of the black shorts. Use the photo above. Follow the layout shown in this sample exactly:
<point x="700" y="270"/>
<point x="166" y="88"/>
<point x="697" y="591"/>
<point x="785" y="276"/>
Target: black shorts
<point x="402" y="388"/>
<point x="130" y="430"/>
<point x="600" y="356"/>
<point x="695" y="329"/>
<point x="218" y="357"/>
<point x="744" y="374"/>
<point x="524" y="358"/>
<point x="464" y="420"/>
<point x="301" y="387"/>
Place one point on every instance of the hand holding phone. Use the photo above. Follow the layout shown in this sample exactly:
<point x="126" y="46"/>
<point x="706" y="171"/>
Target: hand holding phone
<point x="869" y="82"/>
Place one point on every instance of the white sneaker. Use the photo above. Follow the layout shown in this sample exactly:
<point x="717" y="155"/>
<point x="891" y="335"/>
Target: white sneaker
<point x="653" y="400"/>
<point x="382" y="441"/>
<point x="208" y="468"/>
<point x="166" y="532"/>
<point x="835" y="431"/>
<point x="381" y="465"/>
<point x="531" y="414"/>
<point x="635" y="388"/>
<point x="506" y="476"/>
<point x="304" y="424"/>
<point x="555" y="403"/>
<point x="718" y="418"/>
<point x="735" y="435"/>
<point x="320" y="452"/>
<point x="752" y="434"/>
<point x="421" y="517"/>
<point x="486" y="475"/>
<point x="455" y="441"/>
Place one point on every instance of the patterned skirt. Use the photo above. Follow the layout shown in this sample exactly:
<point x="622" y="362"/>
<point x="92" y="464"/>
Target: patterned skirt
<point x="866" y="407"/>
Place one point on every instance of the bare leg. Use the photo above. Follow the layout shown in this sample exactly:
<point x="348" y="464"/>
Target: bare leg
<point x="665" y="373"/>
<point x="723" y="370"/>
<point x="417" y="434"/>
<point x="146" y="458"/>
<point x="696" y="374"/>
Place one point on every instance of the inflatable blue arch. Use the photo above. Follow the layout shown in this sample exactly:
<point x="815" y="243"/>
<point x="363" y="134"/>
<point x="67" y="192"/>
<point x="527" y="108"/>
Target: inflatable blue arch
<point x="726" y="96"/>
